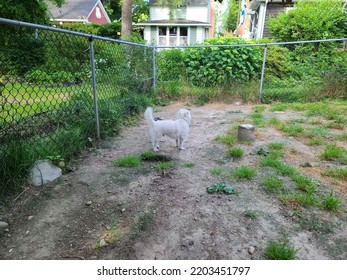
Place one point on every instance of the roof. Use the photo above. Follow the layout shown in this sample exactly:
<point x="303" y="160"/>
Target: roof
<point x="168" y="22"/>
<point x="187" y="2"/>
<point x="72" y="9"/>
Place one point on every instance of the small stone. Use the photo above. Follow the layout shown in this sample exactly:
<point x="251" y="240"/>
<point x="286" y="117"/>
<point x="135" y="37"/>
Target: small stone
<point x="30" y="217"/>
<point x="102" y="243"/>
<point x="251" y="250"/>
<point x="123" y="210"/>
<point x="3" y="225"/>
<point x="89" y="203"/>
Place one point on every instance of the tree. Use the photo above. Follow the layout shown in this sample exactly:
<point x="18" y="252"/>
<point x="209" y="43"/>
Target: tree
<point x="310" y="21"/>
<point x="231" y="19"/>
<point x="126" y="19"/>
<point x="34" y="11"/>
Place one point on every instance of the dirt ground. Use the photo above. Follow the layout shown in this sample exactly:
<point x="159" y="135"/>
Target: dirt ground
<point x="99" y="210"/>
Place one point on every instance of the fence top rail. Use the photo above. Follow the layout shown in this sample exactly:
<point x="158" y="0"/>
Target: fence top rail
<point x="55" y="29"/>
<point x="71" y="32"/>
<point x="253" y="45"/>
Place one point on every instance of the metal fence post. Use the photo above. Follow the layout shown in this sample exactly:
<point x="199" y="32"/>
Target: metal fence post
<point x="154" y="68"/>
<point x="262" y="74"/>
<point x="95" y="96"/>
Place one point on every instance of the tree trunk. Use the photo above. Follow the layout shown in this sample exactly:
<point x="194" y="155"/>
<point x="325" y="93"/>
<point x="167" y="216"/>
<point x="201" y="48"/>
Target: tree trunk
<point x="126" y="19"/>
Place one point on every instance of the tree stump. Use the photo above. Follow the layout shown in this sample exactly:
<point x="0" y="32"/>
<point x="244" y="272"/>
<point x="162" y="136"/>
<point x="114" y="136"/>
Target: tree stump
<point x="245" y="132"/>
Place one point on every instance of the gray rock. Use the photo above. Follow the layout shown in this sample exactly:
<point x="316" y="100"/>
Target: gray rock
<point x="102" y="243"/>
<point x="44" y="171"/>
<point x="251" y="250"/>
<point x="3" y="225"/>
<point x="88" y="203"/>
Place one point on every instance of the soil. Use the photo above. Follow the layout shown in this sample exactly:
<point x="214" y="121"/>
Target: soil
<point x="98" y="210"/>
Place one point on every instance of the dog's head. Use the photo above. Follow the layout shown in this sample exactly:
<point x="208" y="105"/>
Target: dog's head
<point x="184" y="114"/>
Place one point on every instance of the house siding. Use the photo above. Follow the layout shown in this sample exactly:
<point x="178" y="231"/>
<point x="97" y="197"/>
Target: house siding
<point x="93" y="15"/>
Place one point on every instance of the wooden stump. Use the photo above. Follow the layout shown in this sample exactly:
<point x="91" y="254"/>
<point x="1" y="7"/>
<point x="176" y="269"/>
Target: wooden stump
<point x="245" y="132"/>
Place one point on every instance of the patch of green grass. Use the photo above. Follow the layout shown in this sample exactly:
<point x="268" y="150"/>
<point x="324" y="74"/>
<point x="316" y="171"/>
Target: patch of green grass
<point x="189" y="164"/>
<point x="342" y="136"/>
<point x="258" y="118"/>
<point x="280" y="250"/>
<point x="235" y="152"/>
<point x="332" y="202"/>
<point x="292" y="129"/>
<point x="128" y="161"/>
<point x="279" y="107"/>
<point x="339" y="173"/>
<point x="315" y="142"/>
<point x="216" y="171"/>
<point x="332" y="152"/>
<point x="314" y="224"/>
<point x="276" y="146"/>
<point x="297" y="199"/>
<point x="259" y="109"/>
<point x="250" y="214"/>
<point x="228" y="139"/>
<point x="276" y="123"/>
<point x="244" y="173"/>
<point x="163" y="165"/>
<point x="304" y="183"/>
<point x="277" y="164"/>
<point x="272" y="183"/>
<point x="315" y="132"/>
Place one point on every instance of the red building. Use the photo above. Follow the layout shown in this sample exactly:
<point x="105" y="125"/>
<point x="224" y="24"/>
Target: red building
<point x="83" y="11"/>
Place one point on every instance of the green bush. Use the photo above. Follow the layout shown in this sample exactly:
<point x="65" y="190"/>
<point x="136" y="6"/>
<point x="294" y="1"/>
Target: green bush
<point x="322" y="19"/>
<point x="170" y="65"/>
<point x="209" y="66"/>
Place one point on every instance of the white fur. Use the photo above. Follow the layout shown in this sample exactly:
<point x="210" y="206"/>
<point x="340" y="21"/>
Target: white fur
<point x="178" y="129"/>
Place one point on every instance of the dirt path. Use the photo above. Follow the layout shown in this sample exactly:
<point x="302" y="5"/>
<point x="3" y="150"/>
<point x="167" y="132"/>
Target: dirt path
<point x="102" y="211"/>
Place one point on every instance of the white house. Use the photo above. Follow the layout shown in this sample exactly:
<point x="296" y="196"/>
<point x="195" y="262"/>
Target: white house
<point x="192" y="23"/>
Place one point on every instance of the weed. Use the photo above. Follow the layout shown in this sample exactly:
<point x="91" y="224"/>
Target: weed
<point x="276" y="123"/>
<point x="244" y="173"/>
<point x="163" y="165"/>
<point x="235" y="152"/>
<point x="298" y="199"/>
<point x="251" y="214"/>
<point x="276" y="146"/>
<point x="228" y="139"/>
<point x="279" y="107"/>
<point x="189" y="164"/>
<point x="332" y="151"/>
<point x="315" y="142"/>
<point x="292" y="129"/>
<point x="281" y="168"/>
<point x="128" y="161"/>
<point x="141" y="224"/>
<point x="216" y="171"/>
<point x="314" y="224"/>
<point x="280" y="250"/>
<point x="331" y="202"/>
<point x="272" y="183"/>
<point x="259" y="109"/>
<point x="342" y="136"/>
<point x="304" y="183"/>
<point x="339" y="173"/>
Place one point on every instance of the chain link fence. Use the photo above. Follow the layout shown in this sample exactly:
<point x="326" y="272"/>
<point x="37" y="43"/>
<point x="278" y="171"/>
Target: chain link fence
<point x="61" y="90"/>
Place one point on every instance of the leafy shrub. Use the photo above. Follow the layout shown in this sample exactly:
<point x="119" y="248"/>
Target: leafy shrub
<point x="170" y="65"/>
<point x="208" y="66"/>
<point x="321" y="20"/>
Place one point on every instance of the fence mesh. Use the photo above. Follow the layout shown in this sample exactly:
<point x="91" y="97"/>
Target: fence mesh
<point x="46" y="94"/>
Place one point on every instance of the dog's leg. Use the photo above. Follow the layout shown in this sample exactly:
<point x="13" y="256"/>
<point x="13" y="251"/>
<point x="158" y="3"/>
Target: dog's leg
<point x="180" y="143"/>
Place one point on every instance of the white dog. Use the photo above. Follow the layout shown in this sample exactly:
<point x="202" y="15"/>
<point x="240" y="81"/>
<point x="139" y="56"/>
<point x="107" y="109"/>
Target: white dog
<point x="177" y="129"/>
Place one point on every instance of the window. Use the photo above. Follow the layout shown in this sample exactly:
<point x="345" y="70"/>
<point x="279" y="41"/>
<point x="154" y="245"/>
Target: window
<point x="173" y="36"/>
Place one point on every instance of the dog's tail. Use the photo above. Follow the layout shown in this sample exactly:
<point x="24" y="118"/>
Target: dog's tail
<point x="149" y="116"/>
